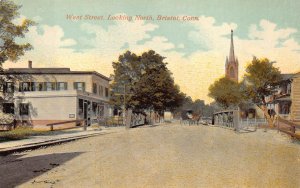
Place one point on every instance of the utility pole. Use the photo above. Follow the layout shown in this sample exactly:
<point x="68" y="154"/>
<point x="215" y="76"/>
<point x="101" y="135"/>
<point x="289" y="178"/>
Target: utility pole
<point x="85" y="120"/>
<point x="124" y="109"/>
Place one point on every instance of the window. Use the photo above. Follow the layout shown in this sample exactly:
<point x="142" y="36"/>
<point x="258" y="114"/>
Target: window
<point x="101" y="91"/>
<point x="106" y="92"/>
<point x="50" y="86"/>
<point x="38" y="86"/>
<point x="94" y="88"/>
<point x="25" y="86"/>
<point x="283" y="89"/>
<point x="8" y="108"/>
<point x="62" y="85"/>
<point x="289" y="87"/>
<point x="94" y="108"/>
<point x="79" y="86"/>
<point x="101" y="110"/>
<point x="24" y="109"/>
<point x="80" y="107"/>
<point x="8" y="87"/>
<point x="284" y="107"/>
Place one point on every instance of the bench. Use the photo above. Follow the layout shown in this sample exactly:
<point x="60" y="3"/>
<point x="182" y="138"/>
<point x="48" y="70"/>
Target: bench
<point x="63" y="122"/>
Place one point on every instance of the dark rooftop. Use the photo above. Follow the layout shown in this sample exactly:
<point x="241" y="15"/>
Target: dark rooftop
<point x="38" y="70"/>
<point x="51" y="71"/>
<point x="287" y="76"/>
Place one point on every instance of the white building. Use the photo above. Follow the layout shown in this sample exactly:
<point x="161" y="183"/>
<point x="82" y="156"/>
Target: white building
<point x="41" y="96"/>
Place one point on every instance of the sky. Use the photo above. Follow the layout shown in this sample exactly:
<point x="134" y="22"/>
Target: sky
<point x="195" y="50"/>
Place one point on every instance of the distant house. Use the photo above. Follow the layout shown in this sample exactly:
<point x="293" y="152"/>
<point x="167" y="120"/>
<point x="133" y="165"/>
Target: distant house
<point x="49" y="95"/>
<point x="285" y="102"/>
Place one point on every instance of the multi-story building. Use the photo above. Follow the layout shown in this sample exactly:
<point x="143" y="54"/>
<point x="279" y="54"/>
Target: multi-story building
<point x="41" y="96"/>
<point x="285" y="102"/>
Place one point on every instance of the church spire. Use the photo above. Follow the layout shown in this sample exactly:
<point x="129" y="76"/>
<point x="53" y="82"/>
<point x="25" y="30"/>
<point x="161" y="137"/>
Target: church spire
<point x="231" y="63"/>
<point x="231" y="52"/>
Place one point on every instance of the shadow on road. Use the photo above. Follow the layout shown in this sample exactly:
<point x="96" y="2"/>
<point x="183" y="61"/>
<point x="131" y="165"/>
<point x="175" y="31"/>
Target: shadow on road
<point x="17" y="169"/>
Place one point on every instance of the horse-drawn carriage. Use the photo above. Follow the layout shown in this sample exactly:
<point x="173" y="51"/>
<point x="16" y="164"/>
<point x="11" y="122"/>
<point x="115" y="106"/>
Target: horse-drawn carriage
<point x="190" y="118"/>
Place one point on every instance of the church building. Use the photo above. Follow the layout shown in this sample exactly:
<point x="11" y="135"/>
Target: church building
<point x="232" y="72"/>
<point x="232" y="64"/>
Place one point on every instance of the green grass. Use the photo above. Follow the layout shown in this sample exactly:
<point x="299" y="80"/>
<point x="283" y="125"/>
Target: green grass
<point x="114" y="121"/>
<point x="19" y="133"/>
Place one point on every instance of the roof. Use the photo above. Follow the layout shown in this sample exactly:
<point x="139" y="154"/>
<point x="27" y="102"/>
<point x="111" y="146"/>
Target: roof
<point x="51" y="71"/>
<point x="286" y="98"/>
<point x="231" y="51"/>
<point x="287" y="76"/>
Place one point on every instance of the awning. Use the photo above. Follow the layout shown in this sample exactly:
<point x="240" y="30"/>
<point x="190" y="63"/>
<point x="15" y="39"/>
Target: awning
<point x="288" y="98"/>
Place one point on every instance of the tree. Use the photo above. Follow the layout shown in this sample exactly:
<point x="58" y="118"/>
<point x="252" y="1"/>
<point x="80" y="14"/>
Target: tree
<point x="226" y="92"/>
<point x="148" y="81"/>
<point x="197" y="106"/>
<point x="9" y="48"/>
<point x="157" y="91"/>
<point x="9" y="32"/>
<point x="260" y="81"/>
<point x="127" y="71"/>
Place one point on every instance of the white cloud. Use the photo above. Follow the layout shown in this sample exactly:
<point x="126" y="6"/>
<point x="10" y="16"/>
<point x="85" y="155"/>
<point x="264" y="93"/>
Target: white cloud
<point x="291" y="44"/>
<point x="194" y="73"/>
<point x="51" y="39"/>
<point x="267" y="40"/>
<point x="157" y="43"/>
<point x="116" y="36"/>
<point x="209" y="34"/>
<point x="180" y="45"/>
<point x="269" y="32"/>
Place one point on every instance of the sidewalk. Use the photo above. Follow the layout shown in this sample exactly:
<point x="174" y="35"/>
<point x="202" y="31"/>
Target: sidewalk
<point x="53" y="138"/>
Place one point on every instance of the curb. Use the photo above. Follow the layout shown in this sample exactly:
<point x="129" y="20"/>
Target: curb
<point x="7" y="151"/>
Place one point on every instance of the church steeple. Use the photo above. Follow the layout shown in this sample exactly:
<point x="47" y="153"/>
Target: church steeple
<point x="231" y="52"/>
<point x="231" y="65"/>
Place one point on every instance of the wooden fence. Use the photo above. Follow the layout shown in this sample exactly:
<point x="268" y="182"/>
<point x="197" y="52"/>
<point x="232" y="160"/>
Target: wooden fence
<point x="131" y="120"/>
<point x="227" y="118"/>
<point x="287" y="127"/>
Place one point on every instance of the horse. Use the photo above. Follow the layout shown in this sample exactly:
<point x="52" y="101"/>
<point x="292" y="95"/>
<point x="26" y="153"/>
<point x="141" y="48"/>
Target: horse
<point x="190" y="119"/>
<point x="195" y="119"/>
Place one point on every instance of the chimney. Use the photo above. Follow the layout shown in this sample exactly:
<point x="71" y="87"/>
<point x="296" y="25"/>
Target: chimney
<point x="30" y="64"/>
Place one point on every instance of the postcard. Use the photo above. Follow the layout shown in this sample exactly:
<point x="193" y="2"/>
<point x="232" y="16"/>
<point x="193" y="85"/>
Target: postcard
<point x="171" y="93"/>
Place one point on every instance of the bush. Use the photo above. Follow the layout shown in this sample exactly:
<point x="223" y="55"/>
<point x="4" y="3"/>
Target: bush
<point x="18" y="134"/>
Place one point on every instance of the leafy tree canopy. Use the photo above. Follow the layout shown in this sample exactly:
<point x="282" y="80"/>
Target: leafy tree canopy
<point x="226" y="92"/>
<point x="260" y="80"/>
<point x="149" y="83"/>
<point x="9" y="32"/>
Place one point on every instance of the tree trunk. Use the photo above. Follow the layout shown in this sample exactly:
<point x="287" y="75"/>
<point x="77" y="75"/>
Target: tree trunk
<point x="270" y="120"/>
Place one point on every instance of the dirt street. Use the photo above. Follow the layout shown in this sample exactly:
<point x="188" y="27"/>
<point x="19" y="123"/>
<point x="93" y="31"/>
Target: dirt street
<point x="161" y="156"/>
